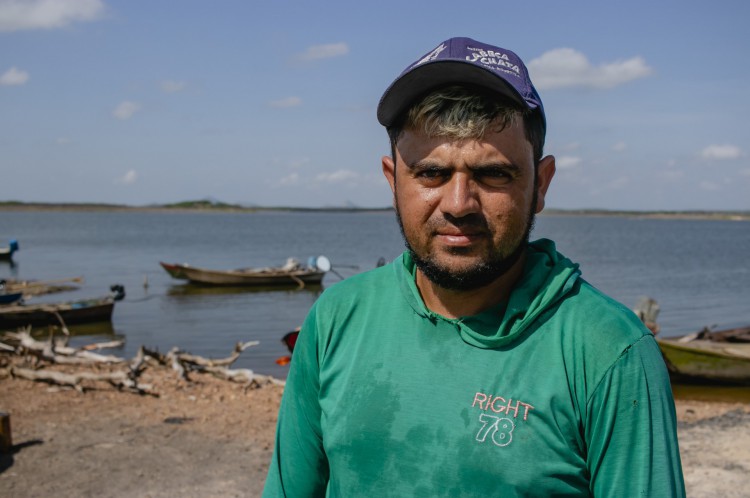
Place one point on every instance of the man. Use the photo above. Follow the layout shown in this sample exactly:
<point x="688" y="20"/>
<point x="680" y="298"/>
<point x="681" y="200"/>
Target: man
<point x="477" y="363"/>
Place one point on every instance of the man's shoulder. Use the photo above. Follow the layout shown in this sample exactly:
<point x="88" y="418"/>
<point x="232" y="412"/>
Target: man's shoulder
<point x="601" y="319"/>
<point x="596" y="332"/>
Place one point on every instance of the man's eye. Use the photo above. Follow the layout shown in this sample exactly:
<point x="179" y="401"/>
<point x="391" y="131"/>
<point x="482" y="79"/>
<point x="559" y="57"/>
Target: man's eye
<point x="493" y="178"/>
<point x="431" y="173"/>
<point x="432" y="176"/>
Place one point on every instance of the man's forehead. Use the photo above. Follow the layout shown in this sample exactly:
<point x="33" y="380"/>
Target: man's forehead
<point x="415" y="143"/>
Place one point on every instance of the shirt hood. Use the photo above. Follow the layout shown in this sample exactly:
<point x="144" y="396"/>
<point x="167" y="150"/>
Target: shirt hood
<point x="547" y="277"/>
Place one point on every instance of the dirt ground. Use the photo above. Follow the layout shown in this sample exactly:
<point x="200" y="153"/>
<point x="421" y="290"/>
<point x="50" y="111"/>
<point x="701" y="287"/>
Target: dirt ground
<point x="212" y="437"/>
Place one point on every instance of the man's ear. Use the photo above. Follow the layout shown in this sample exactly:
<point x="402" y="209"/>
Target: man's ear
<point x="389" y="170"/>
<point x="544" y="173"/>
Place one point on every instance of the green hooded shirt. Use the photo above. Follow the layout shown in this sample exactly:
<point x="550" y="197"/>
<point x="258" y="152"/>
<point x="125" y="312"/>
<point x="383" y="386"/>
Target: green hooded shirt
<point x="560" y="391"/>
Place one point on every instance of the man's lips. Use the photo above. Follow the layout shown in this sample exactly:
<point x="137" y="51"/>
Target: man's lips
<point x="459" y="237"/>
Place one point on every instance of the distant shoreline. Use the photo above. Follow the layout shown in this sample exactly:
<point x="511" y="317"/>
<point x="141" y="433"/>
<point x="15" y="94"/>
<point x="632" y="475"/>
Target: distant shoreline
<point x="175" y="208"/>
<point x="213" y="207"/>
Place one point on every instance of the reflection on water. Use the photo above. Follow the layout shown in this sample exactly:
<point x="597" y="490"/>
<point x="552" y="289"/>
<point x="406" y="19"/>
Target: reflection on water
<point x="11" y="265"/>
<point x="105" y="329"/>
<point x="197" y="289"/>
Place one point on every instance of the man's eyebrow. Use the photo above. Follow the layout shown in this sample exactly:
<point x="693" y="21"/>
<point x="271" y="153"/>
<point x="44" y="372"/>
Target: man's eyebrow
<point x="506" y="167"/>
<point x="426" y="164"/>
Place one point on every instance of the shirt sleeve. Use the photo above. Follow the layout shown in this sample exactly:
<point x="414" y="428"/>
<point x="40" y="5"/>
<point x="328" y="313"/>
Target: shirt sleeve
<point x="299" y="467"/>
<point x="631" y="428"/>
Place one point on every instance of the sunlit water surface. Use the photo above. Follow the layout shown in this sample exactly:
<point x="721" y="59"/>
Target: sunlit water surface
<point x="699" y="271"/>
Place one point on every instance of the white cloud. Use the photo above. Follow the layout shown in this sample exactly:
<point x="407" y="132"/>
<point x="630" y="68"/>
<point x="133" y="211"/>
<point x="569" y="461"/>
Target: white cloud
<point x="327" y="51"/>
<point x="14" y="77"/>
<point x="292" y="179"/>
<point x="62" y="141"/>
<point x="128" y="178"/>
<point x="566" y="67"/>
<point x="619" y="146"/>
<point x="126" y="109"/>
<point x="170" y="86"/>
<point x="286" y="103"/>
<point x="711" y="186"/>
<point x="16" y="15"/>
<point x="567" y="162"/>
<point x="340" y="176"/>
<point x="721" y="152"/>
<point x="618" y="183"/>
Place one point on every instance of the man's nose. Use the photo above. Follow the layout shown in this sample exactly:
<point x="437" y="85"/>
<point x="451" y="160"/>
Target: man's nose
<point x="460" y="196"/>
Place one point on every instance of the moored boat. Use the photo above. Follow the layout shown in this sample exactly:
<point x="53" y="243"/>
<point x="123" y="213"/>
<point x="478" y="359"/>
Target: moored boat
<point x="292" y="273"/>
<point x="70" y="312"/>
<point x="719" y="357"/>
<point x="10" y="297"/>
<point x="174" y="270"/>
<point x="6" y="253"/>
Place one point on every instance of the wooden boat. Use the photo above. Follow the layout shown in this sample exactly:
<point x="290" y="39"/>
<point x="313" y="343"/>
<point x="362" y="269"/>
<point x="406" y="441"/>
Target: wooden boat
<point x="6" y="253"/>
<point x="292" y="273"/>
<point x="718" y="357"/>
<point x="174" y="270"/>
<point x="70" y="312"/>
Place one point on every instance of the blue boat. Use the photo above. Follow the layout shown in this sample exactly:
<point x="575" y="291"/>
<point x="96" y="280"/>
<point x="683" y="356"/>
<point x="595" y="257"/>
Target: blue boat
<point x="6" y="253"/>
<point x="10" y="298"/>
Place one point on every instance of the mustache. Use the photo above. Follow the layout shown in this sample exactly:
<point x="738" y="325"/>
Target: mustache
<point x="474" y="221"/>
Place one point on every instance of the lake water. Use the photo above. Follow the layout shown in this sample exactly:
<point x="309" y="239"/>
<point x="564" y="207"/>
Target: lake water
<point x="698" y="271"/>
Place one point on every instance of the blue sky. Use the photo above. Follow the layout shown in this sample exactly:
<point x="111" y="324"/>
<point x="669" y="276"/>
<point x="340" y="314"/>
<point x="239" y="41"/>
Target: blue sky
<point x="273" y="103"/>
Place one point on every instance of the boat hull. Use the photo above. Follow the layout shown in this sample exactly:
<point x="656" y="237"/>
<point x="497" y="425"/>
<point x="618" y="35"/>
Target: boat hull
<point x="6" y="253"/>
<point x="47" y="314"/>
<point x="707" y="360"/>
<point x="245" y="278"/>
<point x="174" y="270"/>
<point x="10" y="298"/>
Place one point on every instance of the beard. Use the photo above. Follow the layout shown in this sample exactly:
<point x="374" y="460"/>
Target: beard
<point x="481" y="273"/>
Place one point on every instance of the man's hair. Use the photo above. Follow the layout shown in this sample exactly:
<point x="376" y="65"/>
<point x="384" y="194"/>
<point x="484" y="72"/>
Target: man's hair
<point x="460" y="112"/>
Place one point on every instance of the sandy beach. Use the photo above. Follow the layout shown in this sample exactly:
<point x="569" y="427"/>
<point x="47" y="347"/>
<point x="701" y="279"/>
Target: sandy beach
<point x="211" y="437"/>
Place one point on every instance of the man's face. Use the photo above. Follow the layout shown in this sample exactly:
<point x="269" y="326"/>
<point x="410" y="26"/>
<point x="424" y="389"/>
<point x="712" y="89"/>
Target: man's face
<point x="466" y="207"/>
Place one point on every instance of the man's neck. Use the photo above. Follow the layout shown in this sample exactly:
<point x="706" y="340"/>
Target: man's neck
<point x="458" y="303"/>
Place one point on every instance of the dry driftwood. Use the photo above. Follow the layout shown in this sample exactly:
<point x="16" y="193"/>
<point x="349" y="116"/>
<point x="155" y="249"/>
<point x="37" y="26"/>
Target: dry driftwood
<point x="54" y="351"/>
<point x="198" y="360"/>
<point x="242" y="375"/>
<point x="184" y="363"/>
<point x="125" y="380"/>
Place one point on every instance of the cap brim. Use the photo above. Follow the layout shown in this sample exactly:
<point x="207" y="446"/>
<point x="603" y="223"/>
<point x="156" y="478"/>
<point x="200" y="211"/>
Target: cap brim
<point x="431" y="75"/>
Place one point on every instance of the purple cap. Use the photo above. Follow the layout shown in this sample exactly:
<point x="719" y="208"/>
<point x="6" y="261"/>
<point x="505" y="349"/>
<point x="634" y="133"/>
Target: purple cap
<point x="460" y="61"/>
